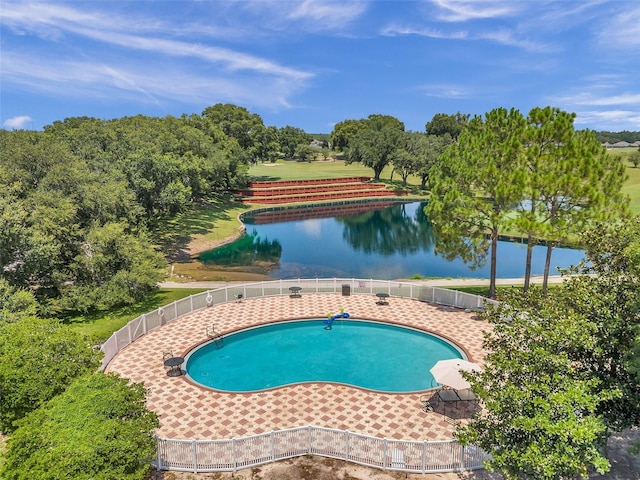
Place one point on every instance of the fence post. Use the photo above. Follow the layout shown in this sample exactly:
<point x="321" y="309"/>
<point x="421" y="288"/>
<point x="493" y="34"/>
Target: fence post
<point x="233" y="450"/>
<point x="158" y="456"/>
<point x="384" y="453"/>
<point x="129" y="332"/>
<point x="309" y="440"/>
<point x="194" y="445"/>
<point x="424" y="456"/>
<point x="175" y="309"/>
<point x="190" y="303"/>
<point x="347" y="436"/>
<point x="273" y="446"/>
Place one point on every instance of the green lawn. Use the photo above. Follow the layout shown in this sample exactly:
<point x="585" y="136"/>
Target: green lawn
<point x="292" y="170"/>
<point x="99" y="326"/>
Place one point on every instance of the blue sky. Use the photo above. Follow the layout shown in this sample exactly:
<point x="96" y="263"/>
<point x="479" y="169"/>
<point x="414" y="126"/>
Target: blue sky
<point x="311" y="64"/>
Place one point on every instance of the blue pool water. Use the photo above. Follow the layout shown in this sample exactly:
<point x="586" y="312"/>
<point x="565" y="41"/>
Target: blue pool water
<point x="370" y="355"/>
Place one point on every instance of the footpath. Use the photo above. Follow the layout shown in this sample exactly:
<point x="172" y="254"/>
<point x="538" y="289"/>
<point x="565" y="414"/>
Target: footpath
<point x="435" y="282"/>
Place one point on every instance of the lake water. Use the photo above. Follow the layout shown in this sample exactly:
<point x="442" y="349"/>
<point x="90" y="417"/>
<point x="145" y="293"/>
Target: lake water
<point x="394" y="241"/>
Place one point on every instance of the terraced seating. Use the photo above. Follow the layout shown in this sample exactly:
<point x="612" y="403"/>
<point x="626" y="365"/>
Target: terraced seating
<point x="291" y="191"/>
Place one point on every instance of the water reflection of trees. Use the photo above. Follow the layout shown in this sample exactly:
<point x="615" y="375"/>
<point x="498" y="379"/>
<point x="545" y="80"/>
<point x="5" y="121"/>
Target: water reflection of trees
<point x="248" y="250"/>
<point x="389" y="231"/>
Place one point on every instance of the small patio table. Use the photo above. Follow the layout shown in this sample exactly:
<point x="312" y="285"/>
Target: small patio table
<point x="174" y="364"/>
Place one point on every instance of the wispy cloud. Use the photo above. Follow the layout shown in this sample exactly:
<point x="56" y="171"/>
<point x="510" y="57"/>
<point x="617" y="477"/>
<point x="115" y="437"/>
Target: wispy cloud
<point x="503" y="36"/>
<point x="625" y="99"/>
<point x="303" y="16"/>
<point x="155" y="84"/>
<point x="609" y="119"/>
<point x="462" y="11"/>
<point x="18" y="122"/>
<point x="327" y="15"/>
<point x="622" y="30"/>
<point x="446" y="91"/>
<point x="223" y="74"/>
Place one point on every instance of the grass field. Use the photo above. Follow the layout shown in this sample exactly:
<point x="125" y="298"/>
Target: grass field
<point x="100" y="325"/>
<point x="292" y="170"/>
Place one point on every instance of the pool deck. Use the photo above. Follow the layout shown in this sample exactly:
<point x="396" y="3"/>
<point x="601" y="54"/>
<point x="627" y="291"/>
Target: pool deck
<point x="188" y="411"/>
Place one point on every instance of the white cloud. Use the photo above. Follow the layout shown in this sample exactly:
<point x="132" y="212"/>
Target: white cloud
<point x="611" y="120"/>
<point x="153" y="84"/>
<point x="446" y="91"/>
<point x="18" y="122"/>
<point x="622" y="30"/>
<point x="502" y="37"/>
<point x="462" y="11"/>
<point x="327" y="15"/>
<point x="624" y="99"/>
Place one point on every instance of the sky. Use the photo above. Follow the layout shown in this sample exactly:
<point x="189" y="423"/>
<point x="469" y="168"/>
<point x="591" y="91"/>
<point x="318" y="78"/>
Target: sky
<point x="311" y="64"/>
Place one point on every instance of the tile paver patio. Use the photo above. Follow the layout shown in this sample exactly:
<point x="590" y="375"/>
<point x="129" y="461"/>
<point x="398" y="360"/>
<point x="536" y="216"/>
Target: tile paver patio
<point x="189" y="411"/>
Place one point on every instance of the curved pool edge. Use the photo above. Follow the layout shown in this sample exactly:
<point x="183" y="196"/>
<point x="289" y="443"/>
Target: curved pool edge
<point x="221" y="336"/>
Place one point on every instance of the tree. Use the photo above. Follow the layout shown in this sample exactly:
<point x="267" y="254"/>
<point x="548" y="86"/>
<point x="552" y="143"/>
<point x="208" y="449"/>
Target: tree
<point x="562" y="371"/>
<point x="475" y="186"/>
<point x="343" y="132"/>
<point x="634" y="158"/>
<point x="15" y="303"/>
<point x="290" y="138"/>
<point x="430" y="148"/>
<point x="377" y="142"/>
<point x="98" y="429"/>
<point x="236" y="122"/>
<point x="409" y="157"/>
<point x="540" y="418"/>
<point x="607" y="294"/>
<point x="442" y="124"/>
<point x="304" y="153"/>
<point x="570" y="183"/>
<point x="39" y="358"/>
<point x="113" y="268"/>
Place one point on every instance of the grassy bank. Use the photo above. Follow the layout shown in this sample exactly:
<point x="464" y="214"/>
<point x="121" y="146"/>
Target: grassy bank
<point x="99" y="326"/>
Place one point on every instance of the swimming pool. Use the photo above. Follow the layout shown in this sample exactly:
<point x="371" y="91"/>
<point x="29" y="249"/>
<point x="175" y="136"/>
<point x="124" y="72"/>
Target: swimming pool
<point x="371" y="355"/>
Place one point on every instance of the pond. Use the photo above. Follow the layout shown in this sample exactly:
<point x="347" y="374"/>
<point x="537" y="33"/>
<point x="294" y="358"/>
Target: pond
<point x="383" y="241"/>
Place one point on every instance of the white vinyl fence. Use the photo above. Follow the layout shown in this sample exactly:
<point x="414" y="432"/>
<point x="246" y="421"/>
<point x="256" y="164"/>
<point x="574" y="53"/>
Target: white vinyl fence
<point x="240" y="453"/>
<point x="156" y="318"/>
<point x="199" y="456"/>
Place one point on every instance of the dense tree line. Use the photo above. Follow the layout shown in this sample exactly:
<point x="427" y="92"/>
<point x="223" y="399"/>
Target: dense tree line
<point x="83" y="198"/>
<point x="613" y="137"/>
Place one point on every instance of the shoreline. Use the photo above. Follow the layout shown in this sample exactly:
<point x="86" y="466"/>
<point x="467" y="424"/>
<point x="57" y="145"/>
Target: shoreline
<point x="434" y="282"/>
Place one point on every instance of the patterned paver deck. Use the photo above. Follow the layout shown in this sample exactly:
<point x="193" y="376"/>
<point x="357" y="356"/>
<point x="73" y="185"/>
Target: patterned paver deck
<point x="189" y="411"/>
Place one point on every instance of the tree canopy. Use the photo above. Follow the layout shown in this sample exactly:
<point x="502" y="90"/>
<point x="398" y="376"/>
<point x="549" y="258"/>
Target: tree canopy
<point x="39" y="359"/>
<point x="562" y="371"/>
<point x="475" y="186"/>
<point x="535" y="176"/>
<point x="376" y="142"/>
<point x="97" y="429"/>
<point x="443" y="124"/>
<point x="84" y="198"/>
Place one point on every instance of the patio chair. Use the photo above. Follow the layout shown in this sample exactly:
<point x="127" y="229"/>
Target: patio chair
<point x="467" y="395"/>
<point x="166" y="355"/>
<point x="425" y="402"/>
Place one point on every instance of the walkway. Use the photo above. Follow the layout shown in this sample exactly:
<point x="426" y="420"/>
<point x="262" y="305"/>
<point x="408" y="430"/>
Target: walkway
<point x="188" y="411"/>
